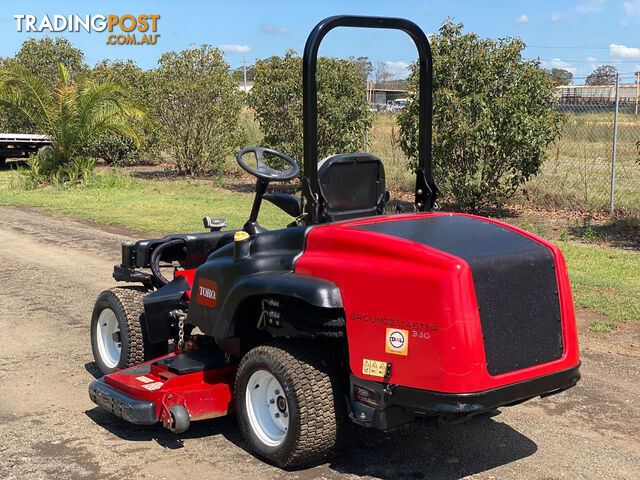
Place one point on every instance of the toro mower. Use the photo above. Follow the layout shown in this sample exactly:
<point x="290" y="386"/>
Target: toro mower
<point x="347" y="314"/>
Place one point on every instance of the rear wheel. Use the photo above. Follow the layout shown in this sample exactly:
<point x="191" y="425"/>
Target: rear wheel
<point x="118" y="331"/>
<point x="288" y="403"/>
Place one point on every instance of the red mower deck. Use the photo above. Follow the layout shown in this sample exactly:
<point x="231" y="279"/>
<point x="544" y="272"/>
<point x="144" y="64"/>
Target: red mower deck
<point x="198" y="381"/>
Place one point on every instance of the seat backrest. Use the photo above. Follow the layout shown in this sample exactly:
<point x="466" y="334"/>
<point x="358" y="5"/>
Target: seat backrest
<point x="352" y="185"/>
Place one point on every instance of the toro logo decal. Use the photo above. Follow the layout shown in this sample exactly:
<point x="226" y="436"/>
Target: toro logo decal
<point x="207" y="292"/>
<point x="397" y="341"/>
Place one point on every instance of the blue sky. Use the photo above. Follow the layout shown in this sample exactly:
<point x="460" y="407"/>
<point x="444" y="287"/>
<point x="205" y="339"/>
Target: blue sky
<point x="575" y="35"/>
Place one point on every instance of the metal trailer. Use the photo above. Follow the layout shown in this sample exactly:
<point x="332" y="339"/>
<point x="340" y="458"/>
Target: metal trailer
<point x="21" y="145"/>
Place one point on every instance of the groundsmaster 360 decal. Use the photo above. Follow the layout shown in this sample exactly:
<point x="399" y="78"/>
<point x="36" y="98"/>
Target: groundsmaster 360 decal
<point x="426" y="330"/>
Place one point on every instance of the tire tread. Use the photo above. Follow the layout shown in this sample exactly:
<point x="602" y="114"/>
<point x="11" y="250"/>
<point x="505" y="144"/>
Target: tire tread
<point x="322" y="411"/>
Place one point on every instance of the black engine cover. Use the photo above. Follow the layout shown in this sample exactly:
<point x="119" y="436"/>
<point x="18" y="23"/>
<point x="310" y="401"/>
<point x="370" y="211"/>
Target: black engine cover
<point x="515" y="285"/>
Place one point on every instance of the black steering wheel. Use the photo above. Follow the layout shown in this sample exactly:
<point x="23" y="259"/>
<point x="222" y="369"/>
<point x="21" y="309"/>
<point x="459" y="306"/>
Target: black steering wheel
<point x="264" y="172"/>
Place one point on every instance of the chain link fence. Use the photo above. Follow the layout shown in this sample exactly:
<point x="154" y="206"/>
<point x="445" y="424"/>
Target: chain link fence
<point x="578" y="172"/>
<point x="383" y="142"/>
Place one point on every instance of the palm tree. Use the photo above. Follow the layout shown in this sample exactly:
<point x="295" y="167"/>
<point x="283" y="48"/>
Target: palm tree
<point x="73" y="113"/>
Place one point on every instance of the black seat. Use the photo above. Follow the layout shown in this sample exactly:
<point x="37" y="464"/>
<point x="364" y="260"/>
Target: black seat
<point x="352" y="185"/>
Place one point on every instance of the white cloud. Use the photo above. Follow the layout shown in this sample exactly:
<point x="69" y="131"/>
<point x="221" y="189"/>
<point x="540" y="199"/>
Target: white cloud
<point x="397" y="69"/>
<point x="522" y="19"/>
<point x="623" y="51"/>
<point x="632" y="8"/>
<point x="591" y="6"/>
<point x="591" y="59"/>
<point x="235" y="48"/>
<point x="558" y="63"/>
<point x="555" y="17"/>
<point x="268" y="28"/>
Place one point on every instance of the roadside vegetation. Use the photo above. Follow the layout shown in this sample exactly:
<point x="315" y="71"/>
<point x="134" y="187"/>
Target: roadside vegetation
<point x="157" y="207"/>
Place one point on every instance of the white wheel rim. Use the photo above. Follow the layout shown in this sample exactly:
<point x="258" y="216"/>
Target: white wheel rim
<point x="109" y="349"/>
<point x="267" y="408"/>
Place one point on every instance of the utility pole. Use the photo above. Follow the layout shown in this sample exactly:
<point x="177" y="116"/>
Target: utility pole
<point x="244" y="69"/>
<point x="637" y="90"/>
<point x="615" y="143"/>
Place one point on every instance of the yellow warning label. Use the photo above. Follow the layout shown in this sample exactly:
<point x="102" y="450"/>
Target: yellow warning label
<point x="374" y="368"/>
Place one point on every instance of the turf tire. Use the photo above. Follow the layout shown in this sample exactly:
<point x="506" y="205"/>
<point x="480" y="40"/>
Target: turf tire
<point x="126" y="304"/>
<point x="317" y="409"/>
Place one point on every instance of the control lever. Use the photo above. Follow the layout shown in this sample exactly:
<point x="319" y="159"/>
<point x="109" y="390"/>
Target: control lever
<point x="215" y="224"/>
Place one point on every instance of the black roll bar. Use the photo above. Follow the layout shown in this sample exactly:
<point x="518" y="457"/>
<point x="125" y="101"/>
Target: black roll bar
<point x="426" y="189"/>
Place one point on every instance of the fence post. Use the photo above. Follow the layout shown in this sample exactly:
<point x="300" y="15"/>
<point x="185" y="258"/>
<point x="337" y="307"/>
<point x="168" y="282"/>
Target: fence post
<point x="615" y="143"/>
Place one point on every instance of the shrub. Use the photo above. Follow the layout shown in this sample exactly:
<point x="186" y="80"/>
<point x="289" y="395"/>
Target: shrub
<point x="114" y="149"/>
<point x="493" y="117"/>
<point x="343" y="116"/>
<point x="197" y="107"/>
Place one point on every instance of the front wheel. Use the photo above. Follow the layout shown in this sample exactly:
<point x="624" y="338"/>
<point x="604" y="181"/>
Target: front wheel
<point x="288" y="403"/>
<point x="118" y="331"/>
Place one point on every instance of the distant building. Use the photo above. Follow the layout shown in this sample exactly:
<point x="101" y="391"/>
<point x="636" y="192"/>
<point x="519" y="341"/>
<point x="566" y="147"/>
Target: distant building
<point x="596" y="94"/>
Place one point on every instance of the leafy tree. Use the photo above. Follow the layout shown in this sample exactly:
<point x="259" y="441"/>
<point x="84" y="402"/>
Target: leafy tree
<point x="71" y="114"/>
<point x="382" y="73"/>
<point x="364" y="67"/>
<point x="343" y="115"/>
<point x="560" y="76"/>
<point x="603" y="75"/>
<point x="197" y="107"/>
<point x="41" y="57"/>
<point x="493" y="117"/>
<point x="115" y="148"/>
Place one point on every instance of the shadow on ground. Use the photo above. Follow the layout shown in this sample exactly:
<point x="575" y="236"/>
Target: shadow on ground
<point x="412" y="452"/>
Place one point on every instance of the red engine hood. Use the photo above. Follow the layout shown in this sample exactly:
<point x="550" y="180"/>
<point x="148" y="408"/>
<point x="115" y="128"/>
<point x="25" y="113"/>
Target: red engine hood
<point x="411" y="304"/>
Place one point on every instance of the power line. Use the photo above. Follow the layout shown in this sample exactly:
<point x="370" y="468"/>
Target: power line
<point x="558" y="47"/>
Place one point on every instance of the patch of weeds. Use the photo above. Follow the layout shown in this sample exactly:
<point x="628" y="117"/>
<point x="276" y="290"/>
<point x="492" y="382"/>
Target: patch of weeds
<point x="589" y="235"/>
<point x="540" y="230"/>
<point x="114" y="180"/>
<point x="219" y="181"/>
<point x="525" y="225"/>
<point x="564" y="235"/>
<point x="602" y="326"/>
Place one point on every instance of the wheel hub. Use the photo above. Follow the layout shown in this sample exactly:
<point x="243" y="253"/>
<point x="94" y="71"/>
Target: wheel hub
<point x="109" y="338"/>
<point x="267" y="408"/>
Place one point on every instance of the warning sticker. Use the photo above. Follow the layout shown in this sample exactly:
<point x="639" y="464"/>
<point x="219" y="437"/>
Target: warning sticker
<point x="374" y="367"/>
<point x="152" y="386"/>
<point x="397" y="341"/>
<point x="144" y="379"/>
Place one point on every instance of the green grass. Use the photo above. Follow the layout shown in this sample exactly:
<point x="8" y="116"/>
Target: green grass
<point x="600" y="326"/>
<point x="146" y="205"/>
<point x="605" y="280"/>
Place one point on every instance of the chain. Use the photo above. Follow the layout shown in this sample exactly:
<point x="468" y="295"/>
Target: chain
<point x="181" y="332"/>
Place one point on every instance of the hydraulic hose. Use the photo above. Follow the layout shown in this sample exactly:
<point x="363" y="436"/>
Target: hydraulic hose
<point x="157" y="255"/>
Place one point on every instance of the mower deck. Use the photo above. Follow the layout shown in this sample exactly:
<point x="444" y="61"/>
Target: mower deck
<point x="199" y="381"/>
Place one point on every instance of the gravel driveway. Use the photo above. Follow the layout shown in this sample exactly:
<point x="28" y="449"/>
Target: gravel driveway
<point x="53" y="269"/>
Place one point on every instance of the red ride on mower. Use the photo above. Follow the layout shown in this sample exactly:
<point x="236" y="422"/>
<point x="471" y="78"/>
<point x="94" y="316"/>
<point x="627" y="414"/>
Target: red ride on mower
<point x="347" y="313"/>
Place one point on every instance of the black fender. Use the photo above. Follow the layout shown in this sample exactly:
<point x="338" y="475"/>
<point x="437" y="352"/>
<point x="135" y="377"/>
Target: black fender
<point x="157" y="306"/>
<point x="314" y="291"/>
